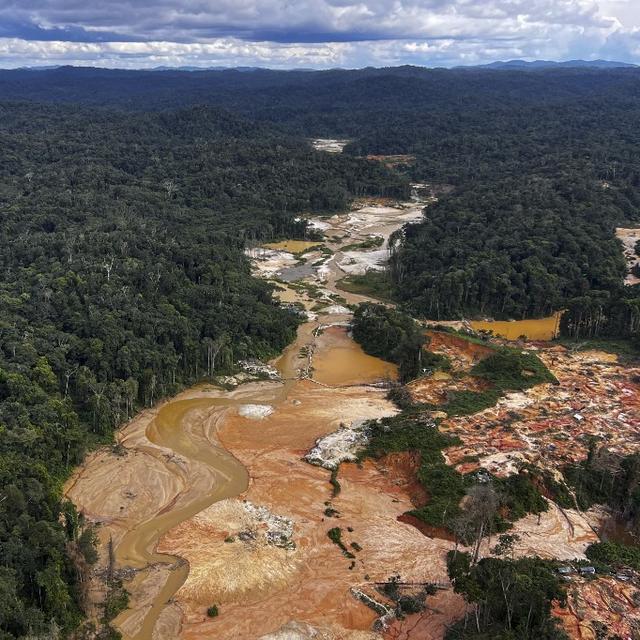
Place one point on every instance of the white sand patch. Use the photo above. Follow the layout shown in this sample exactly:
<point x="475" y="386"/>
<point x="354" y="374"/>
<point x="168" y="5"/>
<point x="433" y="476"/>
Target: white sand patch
<point x="330" y="145"/>
<point x="255" y="411"/>
<point x="269" y="262"/>
<point x="320" y="225"/>
<point x="357" y="263"/>
<point x="343" y="445"/>
<point x="378" y="210"/>
<point x="516" y="400"/>
<point x="323" y="272"/>
<point x="504" y="464"/>
<point x="336" y="310"/>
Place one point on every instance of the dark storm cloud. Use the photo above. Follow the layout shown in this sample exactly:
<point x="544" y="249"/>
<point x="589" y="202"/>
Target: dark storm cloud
<point x="286" y="20"/>
<point x="30" y="31"/>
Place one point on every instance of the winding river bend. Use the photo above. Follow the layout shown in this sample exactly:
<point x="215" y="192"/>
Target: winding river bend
<point x="230" y="478"/>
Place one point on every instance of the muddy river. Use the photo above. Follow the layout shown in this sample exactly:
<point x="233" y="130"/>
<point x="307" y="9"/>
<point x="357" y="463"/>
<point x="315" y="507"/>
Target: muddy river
<point x="230" y="478"/>
<point x="205" y="477"/>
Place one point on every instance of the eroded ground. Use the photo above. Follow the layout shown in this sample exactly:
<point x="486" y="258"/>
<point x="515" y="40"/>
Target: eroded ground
<point x="211" y="500"/>
<point x="606" y="607"/>
<point x="314" y="586"/>
<point x="551" y="425"/>
<point x="190" y="527"/>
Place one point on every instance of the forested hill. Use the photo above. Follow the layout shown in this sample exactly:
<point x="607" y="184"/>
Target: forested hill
<point x="544" y="166"/>
<point x="328" y="100"/>
<point x="121" y="270"/>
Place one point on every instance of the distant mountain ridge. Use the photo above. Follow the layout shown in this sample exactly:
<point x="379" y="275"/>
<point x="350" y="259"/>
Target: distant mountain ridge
<point x="259" y="93"/>
<point x="497" y="65"/>
<point x="552" y="64"/>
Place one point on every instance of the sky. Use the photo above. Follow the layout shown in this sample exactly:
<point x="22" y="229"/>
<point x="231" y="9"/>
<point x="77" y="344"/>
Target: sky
<point x="313" y="33"/>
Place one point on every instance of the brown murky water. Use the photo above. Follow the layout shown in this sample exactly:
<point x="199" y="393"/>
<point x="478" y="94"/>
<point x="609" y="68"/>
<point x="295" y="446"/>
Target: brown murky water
<point x="615" y="530"/>
<point x="292" y="246"/>
<point x="231" y="478"/>
<point x="182" y="426"/>
<point x="341" y="361"/>
<point x="540" y="329"/>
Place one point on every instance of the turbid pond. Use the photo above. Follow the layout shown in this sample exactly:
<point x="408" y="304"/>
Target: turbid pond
<point x="539" y="329"/>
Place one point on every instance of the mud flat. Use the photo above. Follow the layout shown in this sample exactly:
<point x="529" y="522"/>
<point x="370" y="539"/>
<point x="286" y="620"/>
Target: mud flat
<point x="210" y="501"/>
<point x="168" y="467"/>
<point x="176" y="485"/>
<point x="311" y="582"/>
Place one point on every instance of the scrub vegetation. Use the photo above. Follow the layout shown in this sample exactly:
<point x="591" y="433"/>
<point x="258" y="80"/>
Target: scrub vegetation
<point x="490" y="504"/>
<point x="614" y="555"/>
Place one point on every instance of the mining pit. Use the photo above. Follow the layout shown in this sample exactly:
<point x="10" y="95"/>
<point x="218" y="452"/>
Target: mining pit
<point x="225" y="498"/>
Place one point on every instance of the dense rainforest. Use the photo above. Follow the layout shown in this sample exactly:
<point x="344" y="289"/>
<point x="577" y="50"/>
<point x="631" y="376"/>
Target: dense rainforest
<point x="543" y="166"/>
<point x="122" y="279"/>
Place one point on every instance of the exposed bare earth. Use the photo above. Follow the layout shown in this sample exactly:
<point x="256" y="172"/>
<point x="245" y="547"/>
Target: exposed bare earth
<point x="177" y="496"/>
<point x="537" y="426"/>
<point x="317" y="590"/>
<point x="210" y="499"/>
<point x="550" y="425"/>
<point x="606" y="605"/>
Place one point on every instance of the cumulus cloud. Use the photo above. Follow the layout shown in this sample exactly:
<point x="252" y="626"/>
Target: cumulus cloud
<point x="220" y="52"/>
<point x="321" y="33"/>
